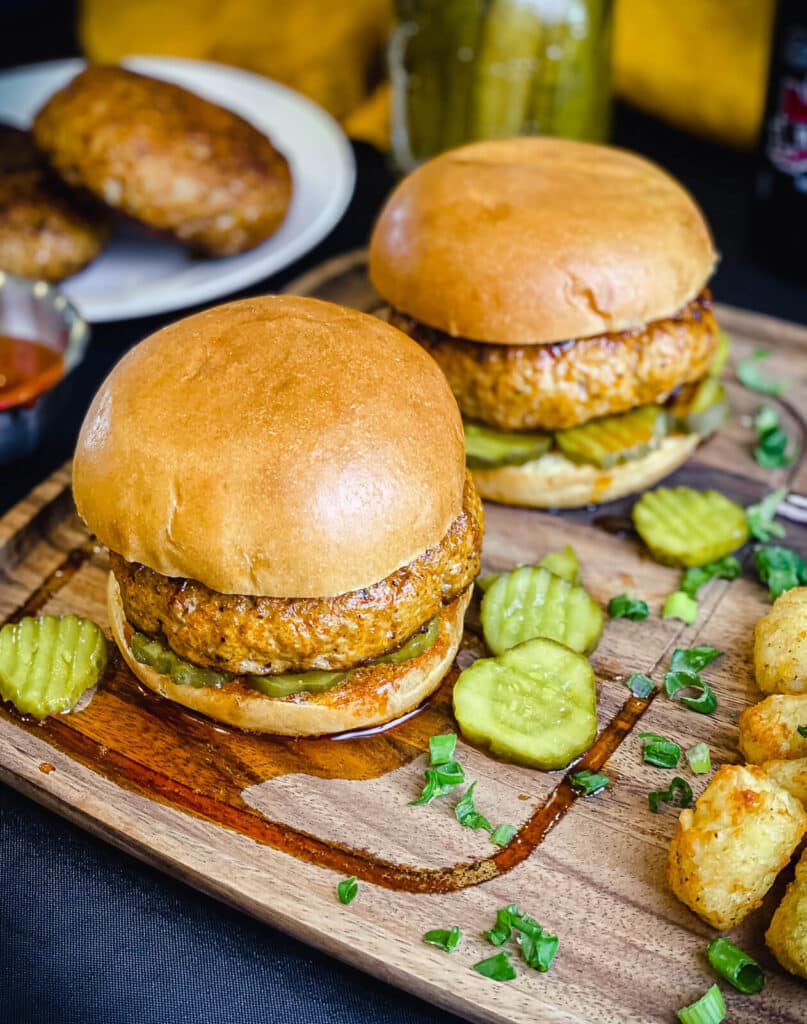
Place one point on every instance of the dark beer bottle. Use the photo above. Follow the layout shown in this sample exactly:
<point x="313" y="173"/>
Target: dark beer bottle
<point x="780" y="213"/>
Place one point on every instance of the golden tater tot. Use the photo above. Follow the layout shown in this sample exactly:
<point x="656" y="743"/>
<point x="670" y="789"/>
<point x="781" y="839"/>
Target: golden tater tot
<point x="726" y="853"/>
<point x="792" y="775"/>
<point x="787" y="935"/>
<point x="780" y="645"/>
<point x="769" y="731"/>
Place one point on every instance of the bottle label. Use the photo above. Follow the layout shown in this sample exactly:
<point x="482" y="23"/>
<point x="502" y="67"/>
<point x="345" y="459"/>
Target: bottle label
<point x="787" y="129"/>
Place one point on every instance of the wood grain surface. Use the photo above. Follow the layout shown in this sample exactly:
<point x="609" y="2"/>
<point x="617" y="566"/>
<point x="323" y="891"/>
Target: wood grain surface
<point x="271" y="825"/>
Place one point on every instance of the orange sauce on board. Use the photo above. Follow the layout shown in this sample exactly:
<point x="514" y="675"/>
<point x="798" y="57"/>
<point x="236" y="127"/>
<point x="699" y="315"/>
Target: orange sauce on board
<point x="27" y="368"/>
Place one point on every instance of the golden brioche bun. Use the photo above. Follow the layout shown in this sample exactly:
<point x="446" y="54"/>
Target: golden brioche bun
<point x="370" y="696"/>
<point x="531" y="240"/>
<point x="553" y="481"/>
<point x="275" y="446"/>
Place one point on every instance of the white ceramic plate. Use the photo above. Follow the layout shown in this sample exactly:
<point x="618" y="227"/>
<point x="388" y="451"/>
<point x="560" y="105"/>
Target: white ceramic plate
<point x="137" y="275"/>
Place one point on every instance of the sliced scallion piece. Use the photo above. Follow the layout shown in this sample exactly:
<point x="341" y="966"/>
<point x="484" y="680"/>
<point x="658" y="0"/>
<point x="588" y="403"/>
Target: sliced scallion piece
<point x="347" y="889"/>
<point x="497" y="967"/>
<point x="446" y="939"/>
<point x="678" y="791"/>
<point x="588" y="783"/>
<point x="802" y="731"/>
<point x="699" y="759"/>
<point x="709" y="1009"/>
<point x="466" y="813"/>
<point x="739" y="969"/>
<point x="704" y="701"/>
<point x="680" y="606"/>
<point x="623" y="606"/>
<point x="640" y="686"/>
<point x="658" y="751"/>
<point x="502" y="834"/>
<point x="441" y="748"/>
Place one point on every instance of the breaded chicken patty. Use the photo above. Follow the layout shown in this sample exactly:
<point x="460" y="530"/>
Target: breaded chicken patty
<point x="241" y="634"/>
<point x="45" y="231"/>
<point x="166" y="157"/>
<point x="560" y="385"/>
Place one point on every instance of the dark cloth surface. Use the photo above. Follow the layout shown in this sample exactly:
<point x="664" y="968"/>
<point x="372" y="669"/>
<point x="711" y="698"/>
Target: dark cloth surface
<point x="88" y="935"/>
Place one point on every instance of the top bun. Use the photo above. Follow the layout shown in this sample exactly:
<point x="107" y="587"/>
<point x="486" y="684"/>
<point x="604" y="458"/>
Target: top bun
<point x="277" y="446"/>
<point x="532" y="240"/>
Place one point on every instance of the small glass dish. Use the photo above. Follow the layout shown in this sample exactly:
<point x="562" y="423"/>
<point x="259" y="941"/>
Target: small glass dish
<point x="38" y="311"/>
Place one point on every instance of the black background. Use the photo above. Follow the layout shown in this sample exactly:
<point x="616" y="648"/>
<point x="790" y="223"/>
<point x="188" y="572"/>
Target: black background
<point x="88" y="935"/>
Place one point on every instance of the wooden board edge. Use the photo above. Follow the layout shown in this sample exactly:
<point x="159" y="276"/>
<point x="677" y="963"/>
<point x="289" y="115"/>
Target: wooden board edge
<point x="161" y="851"/>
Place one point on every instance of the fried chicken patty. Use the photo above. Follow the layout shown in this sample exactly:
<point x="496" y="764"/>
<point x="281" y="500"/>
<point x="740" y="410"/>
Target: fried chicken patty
<point x="267" y="635"/>
<point x="45" y="231"/>
<point x="563" y="384"/>
<point x="166" y="157"/>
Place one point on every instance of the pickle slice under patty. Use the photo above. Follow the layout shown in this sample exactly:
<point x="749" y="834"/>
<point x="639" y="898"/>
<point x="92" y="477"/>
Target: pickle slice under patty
<point x="701" y="408"/>
<point x="682" y="526"/>
<point x="721" y="356"/>
<point x="486" y="447"/>
<point x="535" y="704"/>
<point x="47" y="663"/>
<point x="163" y="660"/>
<point x="532" y="602"/>
<point x="295" y="682"/>
<point x="609" y="440"/>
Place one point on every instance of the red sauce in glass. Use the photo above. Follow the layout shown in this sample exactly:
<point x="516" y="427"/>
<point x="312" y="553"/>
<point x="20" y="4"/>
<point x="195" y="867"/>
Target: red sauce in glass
<point x="27" y="368"/>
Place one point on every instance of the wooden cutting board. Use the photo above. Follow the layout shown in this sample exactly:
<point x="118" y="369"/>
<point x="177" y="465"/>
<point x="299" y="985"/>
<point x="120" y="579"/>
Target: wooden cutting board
<point x="271" y="825"/>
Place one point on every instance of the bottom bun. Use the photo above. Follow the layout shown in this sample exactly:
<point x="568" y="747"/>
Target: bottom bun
<point x="553" y="481"/>
<point x="369" y="696"/>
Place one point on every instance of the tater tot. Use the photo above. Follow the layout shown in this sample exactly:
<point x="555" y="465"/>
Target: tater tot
<point x="726" y="853"/>
<point x="792" y="775"/>
<point x="787" y="935"/>
<point x="769" y="731"/>
<point x="780" y="645"/>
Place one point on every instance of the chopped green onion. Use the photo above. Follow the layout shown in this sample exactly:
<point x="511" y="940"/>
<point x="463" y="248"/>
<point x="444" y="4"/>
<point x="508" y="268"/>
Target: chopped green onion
<point x="749" y="375"/>
<point x="761" y="518"/>
<point x="770" y="450"/>
<point x="692" y="659"/>
<point x="658" y="751"/>
<point x="588" y="783"/>
<point x="497" y="967"/>
<point x="679" y="792"/>
<point x="444" y="938"/>
<point x="727" y="568"/>
<point x="680" y="605"/>
<point x="439" y="781"/>
<point x="780" y="568"/>
<point x="538" y="950"/>
<point x="699" y="758"/>
<point x="802" y="731"/>
<point x="503" y="929"/>
<point x="466" y="813"/>
<point x="739" y="969"/>
<point x="347" y="889"/>
<point x="709" y="1009"/>
<point x="502" y="834"/>
<point x="625" y="607"/>
<point x="640" y="686"/>
<point x="441" y="748"/>
<point x="704" y="703"/>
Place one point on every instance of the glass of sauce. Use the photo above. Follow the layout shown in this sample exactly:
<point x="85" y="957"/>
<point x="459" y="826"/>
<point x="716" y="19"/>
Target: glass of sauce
<point x="42" y="338"/>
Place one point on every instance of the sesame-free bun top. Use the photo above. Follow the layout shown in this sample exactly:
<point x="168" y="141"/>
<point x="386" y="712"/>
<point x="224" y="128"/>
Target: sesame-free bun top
<point x="531" y="240"/>
<point x="278" y="446"/>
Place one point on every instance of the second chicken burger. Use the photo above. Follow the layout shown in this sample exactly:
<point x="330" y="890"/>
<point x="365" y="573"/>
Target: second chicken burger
<point x="562" y="288"/>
